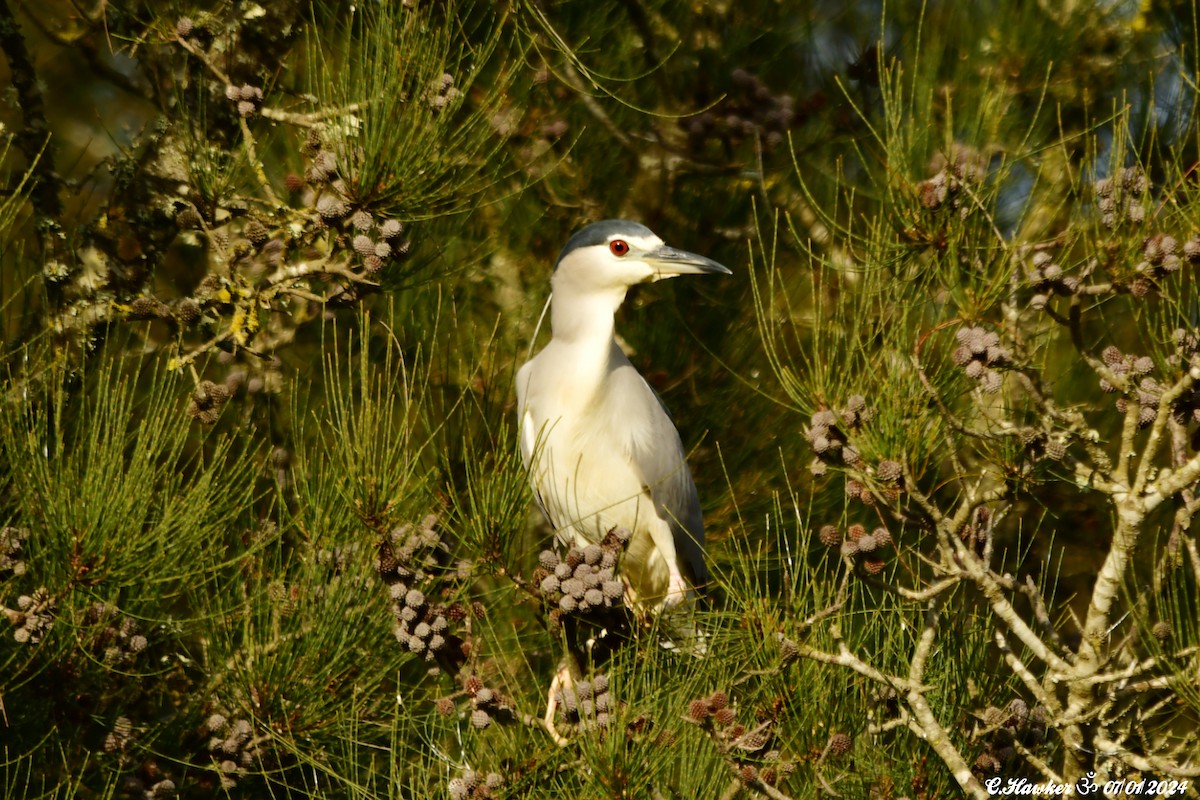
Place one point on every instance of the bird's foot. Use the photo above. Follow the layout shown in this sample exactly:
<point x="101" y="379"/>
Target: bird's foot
<point x="562" y="678"/>
<point x="677" y="592"/>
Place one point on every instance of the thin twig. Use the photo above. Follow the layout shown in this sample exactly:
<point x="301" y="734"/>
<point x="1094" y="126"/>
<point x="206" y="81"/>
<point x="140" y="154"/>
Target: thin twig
<point x="1148" y="764"/>
<point x="1075" y="326"/>
<point x="1166" y="403"/>
<point x="845" y="658"/>
<point x="918" y="595"/>
<point x="260" y="174"/>
<point x="1041" y="766"/>
<point x="312" y="118"/>
<point x="1040" y="613"/>
<point x="213" y="67"/>
<point x="1027" y="677"/>
<point x="842" y="595"/>
<point x="924" y="723"/>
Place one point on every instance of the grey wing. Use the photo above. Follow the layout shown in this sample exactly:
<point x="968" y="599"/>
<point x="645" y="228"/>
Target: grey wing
<point x="657" y="453"/>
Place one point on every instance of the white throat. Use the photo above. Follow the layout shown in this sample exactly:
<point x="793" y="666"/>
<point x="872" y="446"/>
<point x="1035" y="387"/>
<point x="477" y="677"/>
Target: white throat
<point x="583" y="317"/>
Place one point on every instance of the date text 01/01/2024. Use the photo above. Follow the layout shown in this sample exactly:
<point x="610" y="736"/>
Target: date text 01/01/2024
<point x="1020" y="787"/>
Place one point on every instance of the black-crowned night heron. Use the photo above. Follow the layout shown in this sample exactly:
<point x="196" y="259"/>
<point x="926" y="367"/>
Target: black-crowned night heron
<point x="600" y="448"/>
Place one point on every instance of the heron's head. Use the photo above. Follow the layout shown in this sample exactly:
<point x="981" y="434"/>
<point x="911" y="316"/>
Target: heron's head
<point x="616" y="254"/>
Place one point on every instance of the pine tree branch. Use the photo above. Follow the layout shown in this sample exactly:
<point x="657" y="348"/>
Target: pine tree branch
<point x="1166" y="403"/>
<point x="259" y="173"/>
<point x="846" y="658"/>
<point x="1019" y="668"/>
<point x="1151" y="765"/>
<point x="984" y="579"/>
<point x="924" y="722"/>
<point x="1037" y="763"/>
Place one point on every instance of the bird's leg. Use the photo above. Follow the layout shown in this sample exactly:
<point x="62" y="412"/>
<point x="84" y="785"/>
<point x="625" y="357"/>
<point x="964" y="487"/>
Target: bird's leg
<point x="664" y="542"/>
<point x="677" y="590"/>
<point x="562" y="679"/>
<point x="568" y="672"/>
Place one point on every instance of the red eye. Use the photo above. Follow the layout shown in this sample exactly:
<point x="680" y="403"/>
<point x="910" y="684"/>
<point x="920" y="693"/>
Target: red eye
<point x="618" y="247"/>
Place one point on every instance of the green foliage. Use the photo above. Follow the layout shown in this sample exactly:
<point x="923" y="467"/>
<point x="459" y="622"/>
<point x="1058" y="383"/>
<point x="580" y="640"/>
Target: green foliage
<point x="113" y="464"/>
<point x="123" y="516"/>
<point x="264" y="529"/>
<point x="11" y="205"/>
<point x="411" y="147"/>
<point x="1019" y="271"/>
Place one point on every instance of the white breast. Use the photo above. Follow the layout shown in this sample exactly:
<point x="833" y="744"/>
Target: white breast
<point x="577" y="452"/>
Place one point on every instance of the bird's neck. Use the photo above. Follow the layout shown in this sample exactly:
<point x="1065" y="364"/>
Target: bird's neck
<point x="584" y="320"/>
